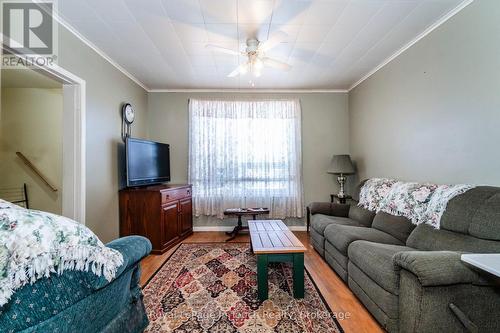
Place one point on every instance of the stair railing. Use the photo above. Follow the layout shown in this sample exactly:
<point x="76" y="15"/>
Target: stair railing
<point x="33" y="168"/>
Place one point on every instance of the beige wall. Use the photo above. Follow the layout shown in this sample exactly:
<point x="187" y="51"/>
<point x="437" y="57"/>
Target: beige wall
<point x="324" y="133"/>
<point x="32" y="124"/>
<point x="433" y="113"/>
<point x="107" y="89"/>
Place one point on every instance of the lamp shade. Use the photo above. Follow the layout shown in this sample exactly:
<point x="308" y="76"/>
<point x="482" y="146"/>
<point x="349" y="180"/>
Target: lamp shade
<point x="341" y="164"/>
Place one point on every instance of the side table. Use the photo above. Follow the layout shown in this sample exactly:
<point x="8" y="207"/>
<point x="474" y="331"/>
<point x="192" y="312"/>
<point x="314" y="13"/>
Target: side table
<point x="340" y="200"/>
<point x="239" y="212"/>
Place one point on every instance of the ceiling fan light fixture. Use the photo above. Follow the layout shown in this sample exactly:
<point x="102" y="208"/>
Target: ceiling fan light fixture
<point x="256" y="56"/>
<point x="258" y="64"/>
<point x="244" y="69"/>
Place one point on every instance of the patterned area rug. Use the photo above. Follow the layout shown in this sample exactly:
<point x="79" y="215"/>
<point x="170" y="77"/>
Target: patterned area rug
<point x="213" y="288"/>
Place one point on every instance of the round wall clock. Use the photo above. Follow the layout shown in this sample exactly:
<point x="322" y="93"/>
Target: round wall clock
<point x="128" y="116"/>
<point x="128" y="113"/>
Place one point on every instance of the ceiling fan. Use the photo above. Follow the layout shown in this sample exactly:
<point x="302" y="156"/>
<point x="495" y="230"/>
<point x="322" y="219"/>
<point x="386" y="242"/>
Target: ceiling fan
<point x="256" y="55"/>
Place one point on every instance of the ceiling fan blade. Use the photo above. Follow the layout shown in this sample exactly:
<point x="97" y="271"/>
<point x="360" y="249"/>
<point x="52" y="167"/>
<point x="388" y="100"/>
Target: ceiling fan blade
<point x="239" y="70"/>
<point x="276" y="38"/>
<point x="276" y="64"/>
<point x="221" y="49"/>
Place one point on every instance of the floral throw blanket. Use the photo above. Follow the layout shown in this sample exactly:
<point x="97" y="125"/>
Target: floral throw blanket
<point x="420" y="203"/>
<point x="34" y="244"/>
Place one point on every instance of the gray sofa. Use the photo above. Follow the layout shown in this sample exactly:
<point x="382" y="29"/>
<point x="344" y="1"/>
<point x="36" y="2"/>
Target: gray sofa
<point x="411" y="278"/>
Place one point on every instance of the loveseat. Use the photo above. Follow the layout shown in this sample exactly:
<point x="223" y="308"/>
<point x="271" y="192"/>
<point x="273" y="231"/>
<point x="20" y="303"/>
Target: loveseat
<point x="411" y="279"/>
<point x="77" y="301"/>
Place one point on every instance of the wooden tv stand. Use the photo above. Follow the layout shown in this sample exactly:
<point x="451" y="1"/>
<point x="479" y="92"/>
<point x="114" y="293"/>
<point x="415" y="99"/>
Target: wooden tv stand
<point x="162" y="213"/>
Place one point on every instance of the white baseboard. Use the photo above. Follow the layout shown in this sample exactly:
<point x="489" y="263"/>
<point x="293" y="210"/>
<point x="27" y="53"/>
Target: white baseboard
<point x="298" y="228"/>
<point x="230" y="228"/>
<point x="217" y="228"/>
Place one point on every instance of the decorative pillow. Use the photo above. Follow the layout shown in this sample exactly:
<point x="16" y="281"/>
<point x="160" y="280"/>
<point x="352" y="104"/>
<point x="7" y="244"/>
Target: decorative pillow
<point x="397" y="226"/>
<point x="35" y="244"/>
<point x="361" y="215"/>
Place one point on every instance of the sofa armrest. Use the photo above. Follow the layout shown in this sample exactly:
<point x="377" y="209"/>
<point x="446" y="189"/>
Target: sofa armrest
<point x="132" y="248"/>
<point x="436" y="268"/>
<point x="328" y="208"/>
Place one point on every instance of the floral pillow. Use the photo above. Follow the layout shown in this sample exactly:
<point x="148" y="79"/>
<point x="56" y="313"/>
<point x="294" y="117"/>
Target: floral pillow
<point x="35" y="244"/>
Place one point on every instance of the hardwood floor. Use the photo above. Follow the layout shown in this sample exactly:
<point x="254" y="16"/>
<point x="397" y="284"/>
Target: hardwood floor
<point x="338" y="296"/>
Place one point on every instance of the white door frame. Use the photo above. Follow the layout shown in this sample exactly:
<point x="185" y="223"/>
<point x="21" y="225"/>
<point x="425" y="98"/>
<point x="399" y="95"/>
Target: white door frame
<point x="73" y="178"/>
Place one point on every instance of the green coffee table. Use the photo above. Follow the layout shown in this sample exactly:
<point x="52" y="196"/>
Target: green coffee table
<point x="272" y="241"/>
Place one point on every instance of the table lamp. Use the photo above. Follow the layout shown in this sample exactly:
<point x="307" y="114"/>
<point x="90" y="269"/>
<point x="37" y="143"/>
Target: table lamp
<point x="341" y="165"/>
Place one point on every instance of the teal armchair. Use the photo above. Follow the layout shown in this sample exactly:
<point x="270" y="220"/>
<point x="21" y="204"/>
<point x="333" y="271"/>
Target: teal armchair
<point x="81" y="301"/>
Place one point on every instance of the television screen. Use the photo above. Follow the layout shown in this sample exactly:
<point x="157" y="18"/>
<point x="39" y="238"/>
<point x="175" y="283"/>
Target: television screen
<point x="148" y="162"/>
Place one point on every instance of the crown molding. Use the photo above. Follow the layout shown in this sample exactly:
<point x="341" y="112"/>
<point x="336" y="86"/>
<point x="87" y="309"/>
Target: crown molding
<point x="251" y="91"/>
<point x="427" y="31"/>
<point x="100" y="52"/>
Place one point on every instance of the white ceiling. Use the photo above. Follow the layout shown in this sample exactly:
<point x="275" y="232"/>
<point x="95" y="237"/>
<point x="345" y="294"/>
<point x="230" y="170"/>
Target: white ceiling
<point x="331" y="44"/>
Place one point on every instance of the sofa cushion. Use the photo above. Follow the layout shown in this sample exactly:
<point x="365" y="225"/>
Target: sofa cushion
<point x="336" y="260"/>
<point x="317" y="241"/>
<point x="362" y="215"/>
<point x="341" y="236"/>
<point x="397" y="226"/>
<point x="486" y="221"/>
<point x="70" y="309"/>
<point x="376" y="261"/>
<point x="477" y="206"/>
<point x="426" y="238"/>
<point x="329" y="208"/>
<point x="319" y="222"/>
<point x="383" y="305"/>
<point x="375" y="307"/>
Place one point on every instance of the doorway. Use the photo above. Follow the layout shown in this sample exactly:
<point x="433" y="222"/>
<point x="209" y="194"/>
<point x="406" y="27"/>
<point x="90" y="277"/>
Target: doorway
<point x="42" y="139"/>
<point x="31" y="140"/>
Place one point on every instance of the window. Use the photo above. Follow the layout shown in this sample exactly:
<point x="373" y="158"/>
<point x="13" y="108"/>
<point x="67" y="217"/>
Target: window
<point x="245" y="154"/>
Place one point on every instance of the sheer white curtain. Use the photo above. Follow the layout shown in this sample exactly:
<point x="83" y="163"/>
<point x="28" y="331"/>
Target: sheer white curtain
<point x="246" y="154"/>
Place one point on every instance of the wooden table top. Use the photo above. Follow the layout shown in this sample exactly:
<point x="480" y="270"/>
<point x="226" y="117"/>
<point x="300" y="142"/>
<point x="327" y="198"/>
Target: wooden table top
<point x="273" y="237"/>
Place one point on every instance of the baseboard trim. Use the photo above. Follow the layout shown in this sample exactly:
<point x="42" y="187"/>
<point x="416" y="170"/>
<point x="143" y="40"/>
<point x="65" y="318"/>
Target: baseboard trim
<point x="230" y="228"/>
<point x="298" y="228"/>
<point x="213" y="229"/>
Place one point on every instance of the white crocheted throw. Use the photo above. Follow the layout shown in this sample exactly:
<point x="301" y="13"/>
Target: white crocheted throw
<point x="35" y="244"/>
<point x="420" y="203"/>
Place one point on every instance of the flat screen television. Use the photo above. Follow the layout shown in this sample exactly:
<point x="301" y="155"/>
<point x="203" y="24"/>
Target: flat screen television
<point x="147" y="162"/>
